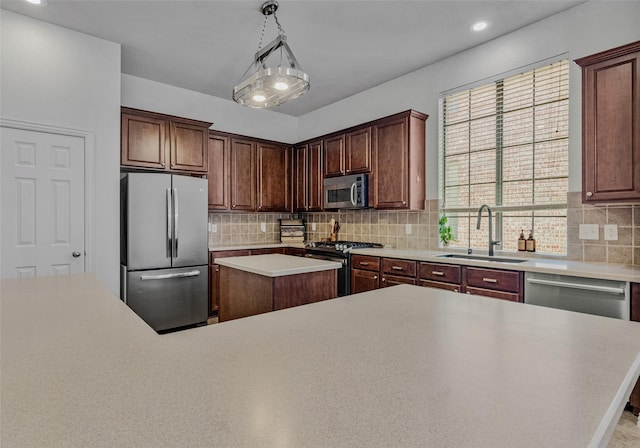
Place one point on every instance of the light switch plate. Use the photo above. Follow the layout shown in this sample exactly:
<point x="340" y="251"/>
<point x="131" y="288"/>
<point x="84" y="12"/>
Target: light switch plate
<point x="313" y="226"/>
<point x="407" y="229"/>
<point x="213" y="228"/>
<point x="611" y="232"/>
<point x="588" y="232"/>
<point x="263" y="227"/>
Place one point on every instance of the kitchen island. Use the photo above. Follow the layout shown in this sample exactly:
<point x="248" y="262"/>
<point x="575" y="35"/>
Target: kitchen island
<point x="261" y="283"/>
<point x="400" y="366"/>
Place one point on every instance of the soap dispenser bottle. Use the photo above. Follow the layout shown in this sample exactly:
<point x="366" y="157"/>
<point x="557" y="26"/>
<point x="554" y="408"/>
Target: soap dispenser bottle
<point x="531" y="242"/>
<point x="522" y="242"/>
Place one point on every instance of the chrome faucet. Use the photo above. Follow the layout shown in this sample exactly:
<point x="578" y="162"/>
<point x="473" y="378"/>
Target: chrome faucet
<point x="491" y="241"/>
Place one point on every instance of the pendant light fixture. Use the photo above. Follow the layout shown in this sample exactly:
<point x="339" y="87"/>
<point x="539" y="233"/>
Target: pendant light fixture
<point x="271" y="86"/>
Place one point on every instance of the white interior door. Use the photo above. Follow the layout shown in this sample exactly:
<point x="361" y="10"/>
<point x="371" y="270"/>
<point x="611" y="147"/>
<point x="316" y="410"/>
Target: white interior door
<point x="42" y="210"/>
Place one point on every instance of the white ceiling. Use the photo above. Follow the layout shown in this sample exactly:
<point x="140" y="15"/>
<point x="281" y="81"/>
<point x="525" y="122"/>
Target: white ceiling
<point x="346" y="47"/>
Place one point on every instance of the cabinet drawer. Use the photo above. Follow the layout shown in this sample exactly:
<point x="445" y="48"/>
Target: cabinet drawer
<point x="227" y="253"/>
<point x="392" y="280"/>
<point x="494" y="279"/>
<point x="513" y="297"/>
<point x="399" y="267"/>
<point x="440" y="285"/>
<point x="365" y="262"/>
<point x="448" y="273"/>
<point x="266" y="251"/>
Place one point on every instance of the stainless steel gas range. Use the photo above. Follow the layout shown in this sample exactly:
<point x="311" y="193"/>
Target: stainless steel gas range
<point x="339" y="251"/>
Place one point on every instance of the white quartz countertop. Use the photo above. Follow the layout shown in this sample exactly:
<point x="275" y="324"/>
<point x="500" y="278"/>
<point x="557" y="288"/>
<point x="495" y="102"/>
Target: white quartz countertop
<point x="544" y="265"/>
<point x="397" y="367"/>
<point x="277" y="265"/>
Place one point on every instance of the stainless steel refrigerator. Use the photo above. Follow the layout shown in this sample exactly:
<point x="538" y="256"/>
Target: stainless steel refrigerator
<point x="163" y="252"/>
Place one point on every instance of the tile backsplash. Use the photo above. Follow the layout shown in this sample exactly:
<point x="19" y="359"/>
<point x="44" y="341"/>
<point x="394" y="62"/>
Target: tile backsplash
<point x="419" y="229"/>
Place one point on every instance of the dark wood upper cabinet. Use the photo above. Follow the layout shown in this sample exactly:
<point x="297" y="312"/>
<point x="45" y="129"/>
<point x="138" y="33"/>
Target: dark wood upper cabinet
<point x="399" y="161"/>
<point x="334" y="156"/>
<point x="358" y="151"/>
<point x="243" y="174"/>
<point x="218" y="174"/>
<point x="163" y="142"/>
<point x="611" y="125"/>
<point x="308" y="177"/>
<point x="274" y="178"/>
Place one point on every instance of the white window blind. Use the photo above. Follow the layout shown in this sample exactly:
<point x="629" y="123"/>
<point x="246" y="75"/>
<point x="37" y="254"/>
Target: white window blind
<point x="506" y="144"/>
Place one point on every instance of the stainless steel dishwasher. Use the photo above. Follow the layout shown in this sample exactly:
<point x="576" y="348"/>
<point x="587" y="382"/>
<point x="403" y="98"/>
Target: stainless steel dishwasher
<point x="609" y="298"/>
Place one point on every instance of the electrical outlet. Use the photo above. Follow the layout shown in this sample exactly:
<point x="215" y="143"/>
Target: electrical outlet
<point x="313" y="226"/>
<point x="611" y="232"/>
<point x="263" y="227"/>
<point x="213" y="228"/>
<point x="588" y="232"/>
<point x="407" y="229"/>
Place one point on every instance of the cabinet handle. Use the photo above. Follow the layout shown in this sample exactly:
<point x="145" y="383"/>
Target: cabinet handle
<point x="437" y="273"/>
<point x="364" y="263"/>
<point x="456" y="290"/>
<point x="375" y="277"/>
<point x="396" y="268"/>
<point x="589" y="194"/>
<point x="384" y="279"/>
<point x="489" y="280"/>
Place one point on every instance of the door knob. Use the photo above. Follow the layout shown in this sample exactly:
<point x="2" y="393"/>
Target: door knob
<point x="76" y="254"/>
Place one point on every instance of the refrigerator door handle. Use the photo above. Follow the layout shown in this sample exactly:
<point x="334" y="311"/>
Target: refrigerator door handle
<point x="175" y="211"/>
<point x="167" y="276"/>
<point x="169" y="224"/>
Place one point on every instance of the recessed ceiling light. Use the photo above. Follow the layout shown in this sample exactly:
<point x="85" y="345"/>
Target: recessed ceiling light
<point x="480" y="25"/>
<point x="38" y="2"/>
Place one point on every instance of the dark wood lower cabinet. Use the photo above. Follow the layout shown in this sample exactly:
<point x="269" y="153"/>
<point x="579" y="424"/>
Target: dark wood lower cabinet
<point x="440" y="285"/>
<point x="392" y="280"/>
<point x="362" y="281"/>
<point x="635" y="316"/>
<point x="514" y="297"/>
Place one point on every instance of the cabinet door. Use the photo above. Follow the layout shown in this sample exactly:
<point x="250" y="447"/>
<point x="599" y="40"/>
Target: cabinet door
<point x="218" y="173"/>
<point x="189" y="147"/>
<point x="334" y="156"/>
<point x="243" y="174"/>
<point x="611" y="125"/>
<point x="391" y="153"/>
<point x="392" y="280"/>
<point x="143" y="141"/>
<point x="513" y="297"/>
<point x="440" y="285"/>
<point x="274" y="178"/>
<point x="362" y="281"/>
<point x="358" y="151"/>
<point x="314" y="176"/>
<point x="300" y="179"/>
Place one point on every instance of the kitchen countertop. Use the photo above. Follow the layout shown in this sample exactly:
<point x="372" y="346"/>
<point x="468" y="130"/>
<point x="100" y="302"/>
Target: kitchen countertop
<point x="277" y="265"/>
<point x="400" y="366"/>
<point x="255" y="246"/>
<point x="545" y="265"/>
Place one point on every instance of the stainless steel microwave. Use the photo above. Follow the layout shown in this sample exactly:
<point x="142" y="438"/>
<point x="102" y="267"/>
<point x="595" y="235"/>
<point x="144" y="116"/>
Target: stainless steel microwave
<point x="346" y="191"/>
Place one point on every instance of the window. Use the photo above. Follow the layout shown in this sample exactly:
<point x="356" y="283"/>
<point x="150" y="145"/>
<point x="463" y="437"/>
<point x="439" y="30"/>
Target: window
<point x="506" y="144"/>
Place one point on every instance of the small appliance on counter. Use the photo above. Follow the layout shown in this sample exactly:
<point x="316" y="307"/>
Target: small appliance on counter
<point x="292" y="231"/>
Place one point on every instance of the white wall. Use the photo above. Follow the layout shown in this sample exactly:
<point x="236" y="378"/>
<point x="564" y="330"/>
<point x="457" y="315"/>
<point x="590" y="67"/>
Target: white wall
<point x="226" y="115"/>
<point x="580" y="31"/>
<point x="53" y="76"/>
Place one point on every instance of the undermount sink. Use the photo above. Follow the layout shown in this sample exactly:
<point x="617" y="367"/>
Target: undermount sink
<point x="483" y="258"/>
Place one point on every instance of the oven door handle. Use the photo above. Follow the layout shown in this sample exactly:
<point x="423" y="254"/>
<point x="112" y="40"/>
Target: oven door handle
<point x="320" y="257"/>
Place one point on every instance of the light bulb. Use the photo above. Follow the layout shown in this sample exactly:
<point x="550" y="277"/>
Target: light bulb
<point x="281" y="85"/>
<point x="479" y="26"/>
<point x="259" y="97"/>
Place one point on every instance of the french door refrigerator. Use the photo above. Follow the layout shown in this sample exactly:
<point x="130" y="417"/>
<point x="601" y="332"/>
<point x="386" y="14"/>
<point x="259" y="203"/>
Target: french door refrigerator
<point x="163" y="252"/>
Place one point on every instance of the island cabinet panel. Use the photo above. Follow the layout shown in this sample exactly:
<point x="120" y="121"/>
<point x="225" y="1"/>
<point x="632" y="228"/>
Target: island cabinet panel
<point x="334" y="155"/>
<point x="396" y="272"/>
<point x="635" y="316"/>
<point x="358" y="151"/>
<point x="218" y="173"/>
<point x="441" y="276"/>
<point x="274" y="178"/>
<point x="295" y="251"/>
<point x="496" y="283"/>
<point x="214" y="276"/>
<point x="301" y="289"/>
<point x="268" y="250"/>
<point x="243" y="294"/>
<point x="611" y="125"/>
<point x="308" y="177"/>
<point x="399" y="162"/>
<point x="243" y="174"/>
<point x="162" y="142"/>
